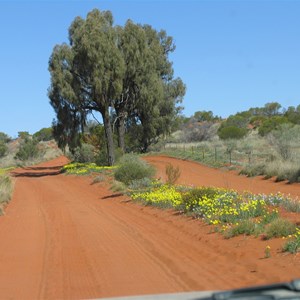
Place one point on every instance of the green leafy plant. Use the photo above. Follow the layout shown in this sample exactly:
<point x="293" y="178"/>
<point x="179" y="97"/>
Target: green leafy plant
<point x="293" y="243"/>
<point x="131" y="168"/>
<point x="28" y="149"/>
<point x="247" y="227"/>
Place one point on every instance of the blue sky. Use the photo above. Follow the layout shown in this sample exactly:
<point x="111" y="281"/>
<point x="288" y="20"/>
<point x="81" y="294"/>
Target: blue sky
<point x="232" y="55"/>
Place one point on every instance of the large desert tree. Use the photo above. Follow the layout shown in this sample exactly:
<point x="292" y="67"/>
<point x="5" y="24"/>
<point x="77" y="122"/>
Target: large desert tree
<point x="86" y="76"/>
<point x="123" y="73"/>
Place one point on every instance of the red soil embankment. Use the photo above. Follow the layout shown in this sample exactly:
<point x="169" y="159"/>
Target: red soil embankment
<point x="193" y="173"/>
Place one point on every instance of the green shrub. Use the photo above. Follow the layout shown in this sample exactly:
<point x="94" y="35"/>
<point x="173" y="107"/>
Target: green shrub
<point x="45" y="134"/>
<point x="3" y="149"/>
<point x="294" y="176"/>
<point x="84" y="154"/>
<point x="101" y="158"/>
<point x="172" y="174"/>
<point x="247" y="227"/>
<point x="131" y="168"/>
<point x="140" y="184"/>
<point x="293" y="244"/>
<point x="28" y="149"/>
<point x="251" y="170"/>
<point x="280" y="228"/>
<point x="232" y="132"/>
<point x="118" y="186"/>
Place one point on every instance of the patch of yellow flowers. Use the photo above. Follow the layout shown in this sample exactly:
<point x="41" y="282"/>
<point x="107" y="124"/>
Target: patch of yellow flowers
<point x="5" y="170"/>
<point x="164" y="193"/>
<point x="84" y="168"/>
<point x="218" y="207"/>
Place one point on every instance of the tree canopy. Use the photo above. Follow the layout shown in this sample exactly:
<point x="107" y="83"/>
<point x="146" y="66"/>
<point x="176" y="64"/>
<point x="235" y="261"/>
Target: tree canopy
<point x="123" y="73"/>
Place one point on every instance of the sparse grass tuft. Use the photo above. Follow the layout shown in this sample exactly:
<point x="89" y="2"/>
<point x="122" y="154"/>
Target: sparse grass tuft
<point x="5" y="191"/>
<point x="280" y="228"/>
<point x="247" y="227"/>
<point x="173" y="173"/>
<point x="118" y="186"/>
<point x="293" y="243"/>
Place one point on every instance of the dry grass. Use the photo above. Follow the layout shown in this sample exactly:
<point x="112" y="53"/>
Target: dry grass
<point x="6" y="188"/>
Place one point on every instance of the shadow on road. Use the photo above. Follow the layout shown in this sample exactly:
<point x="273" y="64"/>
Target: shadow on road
<point x="37" y="171"/>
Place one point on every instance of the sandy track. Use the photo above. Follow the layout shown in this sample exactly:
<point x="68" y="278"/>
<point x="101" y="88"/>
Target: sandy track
<point x="64" y="238"/>
<point x="193" y="173"/>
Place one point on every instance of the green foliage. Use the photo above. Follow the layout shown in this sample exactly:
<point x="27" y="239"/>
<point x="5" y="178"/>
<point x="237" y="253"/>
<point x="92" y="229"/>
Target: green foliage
<point x="131" y="168"/>
<point x="232" y="132"/>
<point x="140" y="184"/>
<point x="28" y="149"/>
<point x="208" y="116"/>
<point x="23" y="135"/>
<point x="293" y="114"/>
<point x="3" y="149"/>
<point x="270" y="124"/>
<point x="284" y="138"/>
<point x="118" y="186"/>
<point x="173" y="173"/>
<point x="84" y="154"/>
<point x="252" y="170"/>
<point x="123" y="73"/>
<point x="45" y="134"/>
<point x="246" y="227"/>
<point x="280" y="228"/>
<point x="4" y="138"/>
<point x="293" y="243"/>
<point x="191" y="199"/>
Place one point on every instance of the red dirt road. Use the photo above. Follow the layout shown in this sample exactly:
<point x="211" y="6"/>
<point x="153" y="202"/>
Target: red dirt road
<point x="64" y="238"/>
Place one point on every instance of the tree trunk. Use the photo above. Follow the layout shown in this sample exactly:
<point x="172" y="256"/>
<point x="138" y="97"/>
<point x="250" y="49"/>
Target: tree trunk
<point x="121" y="133"/>
<point x="109" y="138"/>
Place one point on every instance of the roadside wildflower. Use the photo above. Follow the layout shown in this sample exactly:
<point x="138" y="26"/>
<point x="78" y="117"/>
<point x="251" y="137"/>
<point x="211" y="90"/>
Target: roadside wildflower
<point x="267" y="251"/>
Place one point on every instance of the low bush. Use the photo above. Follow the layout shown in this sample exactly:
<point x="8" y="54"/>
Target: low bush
<point x="140" y="184"/>
<point x="251" y="170"/>
<point x="247" y="227"/>
<point x="293" y="243"/>
<point x="84" y="154"/>
<point x="28" y="149"/>
<point x="3" y="149"/>
<point x="280" y="228"/>
<point x="131" y="168"/>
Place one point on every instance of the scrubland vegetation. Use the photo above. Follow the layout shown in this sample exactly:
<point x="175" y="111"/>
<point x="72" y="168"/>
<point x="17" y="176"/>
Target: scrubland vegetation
<point x="261" y="141"/>
<point x="229" y="212"/>
<point x="6" y="188"/>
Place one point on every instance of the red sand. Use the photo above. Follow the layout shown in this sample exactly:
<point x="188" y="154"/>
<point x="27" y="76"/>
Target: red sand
<point x="193" y="173"/>
<point x="64" y="238"/>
